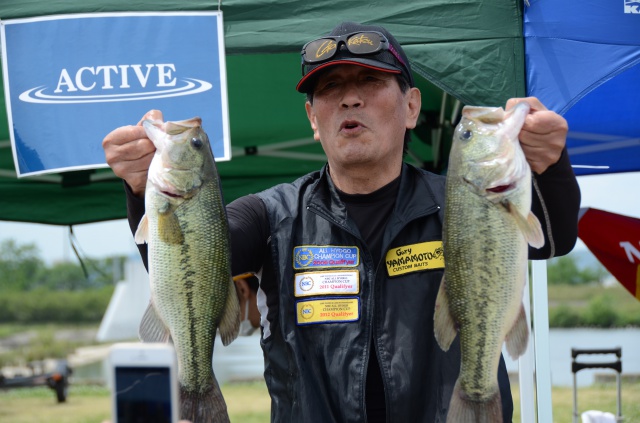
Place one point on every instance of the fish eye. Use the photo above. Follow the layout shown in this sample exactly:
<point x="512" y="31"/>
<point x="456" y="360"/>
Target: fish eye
<point x="466" y="135"/>
<point x="196" y="143"/>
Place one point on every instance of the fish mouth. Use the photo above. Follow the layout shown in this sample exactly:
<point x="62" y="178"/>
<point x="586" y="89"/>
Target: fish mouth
<point x="171" y="194"/>
<point x="501" y="188"/>
<point x="498" y="189"/>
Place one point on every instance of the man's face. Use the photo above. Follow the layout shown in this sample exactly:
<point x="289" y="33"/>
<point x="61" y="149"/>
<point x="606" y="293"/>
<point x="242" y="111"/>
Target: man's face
<point x="360" y="116"/>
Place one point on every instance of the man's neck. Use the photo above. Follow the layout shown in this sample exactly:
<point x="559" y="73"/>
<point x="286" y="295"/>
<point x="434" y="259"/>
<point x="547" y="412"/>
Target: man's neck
<point x="364" y="180"/>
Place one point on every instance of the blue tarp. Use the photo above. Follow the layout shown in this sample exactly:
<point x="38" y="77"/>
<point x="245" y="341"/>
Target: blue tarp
<point x="583" y="61"/>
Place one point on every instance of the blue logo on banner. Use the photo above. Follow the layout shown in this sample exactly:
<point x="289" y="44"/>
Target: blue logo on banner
<point x="306" y="257"/>
<point x="70" y="80"/>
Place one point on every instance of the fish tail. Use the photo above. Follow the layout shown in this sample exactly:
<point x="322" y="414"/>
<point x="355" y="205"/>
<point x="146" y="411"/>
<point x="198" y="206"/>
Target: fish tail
<point x="463" y="408"/>
<point x="203" y="407"/>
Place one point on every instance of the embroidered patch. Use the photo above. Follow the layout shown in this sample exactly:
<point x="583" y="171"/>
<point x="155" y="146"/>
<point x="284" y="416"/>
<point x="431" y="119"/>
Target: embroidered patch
<point x="414" y="258"/>
<point x="313" y="256"/>
<point x="334" y="310"/>
<point x="327" y="283"/>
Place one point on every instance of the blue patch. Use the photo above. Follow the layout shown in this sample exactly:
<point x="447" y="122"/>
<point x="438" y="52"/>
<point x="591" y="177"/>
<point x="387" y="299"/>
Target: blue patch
<point x="307" y="257"/>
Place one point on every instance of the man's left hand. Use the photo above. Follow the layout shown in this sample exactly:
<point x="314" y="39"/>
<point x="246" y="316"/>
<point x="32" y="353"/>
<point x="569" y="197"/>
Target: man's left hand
<point x="543" y="135"/>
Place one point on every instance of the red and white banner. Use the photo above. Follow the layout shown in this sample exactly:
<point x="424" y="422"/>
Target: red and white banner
<point x="615" y="240"/>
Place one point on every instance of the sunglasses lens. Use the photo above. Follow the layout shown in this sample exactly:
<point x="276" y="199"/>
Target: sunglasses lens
<point x="319" y="50"/>
<point x="364" y="43"/>
<point x="358" y="43"/>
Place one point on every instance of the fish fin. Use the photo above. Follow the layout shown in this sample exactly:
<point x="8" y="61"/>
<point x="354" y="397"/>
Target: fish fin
<point x="206" y="406"/>
<point x="152" y="328"/>
<point x="230" y="322"/>
<point x="518" y="337"/>
<point x="444" y="327"/>
<point x="535" y="237"/>
<point x="169" y="228"/>
<point x="463" y="408"/>
<point x="530" y="227"/>
<point x="142" y="233"/>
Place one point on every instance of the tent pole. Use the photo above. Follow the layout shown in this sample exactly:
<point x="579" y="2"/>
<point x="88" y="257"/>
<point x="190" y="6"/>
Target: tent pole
<point x="437" y="141"/>
<point x="541" y="335"/>
<point x="526" y="369"/>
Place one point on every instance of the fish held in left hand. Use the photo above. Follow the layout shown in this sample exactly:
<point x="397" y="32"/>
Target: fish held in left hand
<point x="192" y="292"/>
<point x="487" y="226"/>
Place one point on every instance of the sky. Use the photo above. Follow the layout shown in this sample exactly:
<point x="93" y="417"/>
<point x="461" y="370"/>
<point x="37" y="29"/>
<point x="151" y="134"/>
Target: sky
<point x="616" y="193"/>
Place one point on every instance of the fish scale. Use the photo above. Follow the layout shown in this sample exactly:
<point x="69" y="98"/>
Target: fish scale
<point x="487" y="226"/>
<point x="192" y="293"/>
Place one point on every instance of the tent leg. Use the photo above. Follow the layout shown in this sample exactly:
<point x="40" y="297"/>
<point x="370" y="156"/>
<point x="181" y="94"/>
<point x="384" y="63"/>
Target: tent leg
<point x="541" y="335"/>
<point x="526" y="369"/>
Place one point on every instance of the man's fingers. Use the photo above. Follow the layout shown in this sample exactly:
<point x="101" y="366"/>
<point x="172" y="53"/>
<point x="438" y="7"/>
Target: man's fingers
<point x="543" y="135"/>
<point x="124" y="135"/>
<point x="136" y="149"/>
<point x="126" y="145"/>
<point x="545" y="122"/>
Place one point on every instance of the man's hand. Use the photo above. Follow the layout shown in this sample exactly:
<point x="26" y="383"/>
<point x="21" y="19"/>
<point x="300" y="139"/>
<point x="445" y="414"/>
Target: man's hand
<point x="129" y="152"/>
<point x="543" y="135"/>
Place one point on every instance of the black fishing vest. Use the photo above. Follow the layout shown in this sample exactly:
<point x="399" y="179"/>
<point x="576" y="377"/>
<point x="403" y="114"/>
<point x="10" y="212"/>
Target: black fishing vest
<point x="326" y="299"/>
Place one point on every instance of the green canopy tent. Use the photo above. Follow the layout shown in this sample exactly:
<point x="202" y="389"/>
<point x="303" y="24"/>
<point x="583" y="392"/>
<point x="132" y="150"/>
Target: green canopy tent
<point x="472" y="51"/>
<point x="469" y="52"/>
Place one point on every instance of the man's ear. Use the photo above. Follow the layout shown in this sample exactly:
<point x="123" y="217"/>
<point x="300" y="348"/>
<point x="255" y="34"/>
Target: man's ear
<point x="414" y="102"/>
<point x="312" y="120"/>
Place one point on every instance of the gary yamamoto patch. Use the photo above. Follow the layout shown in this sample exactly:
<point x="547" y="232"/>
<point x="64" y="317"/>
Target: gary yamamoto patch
<point x="414" y="258"/>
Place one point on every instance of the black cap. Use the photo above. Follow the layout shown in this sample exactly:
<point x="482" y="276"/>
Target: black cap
<point x="384" y="60"/>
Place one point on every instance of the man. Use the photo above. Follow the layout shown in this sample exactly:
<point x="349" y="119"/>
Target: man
<point x="247" y="289"/>
<point x="344" y="339"/>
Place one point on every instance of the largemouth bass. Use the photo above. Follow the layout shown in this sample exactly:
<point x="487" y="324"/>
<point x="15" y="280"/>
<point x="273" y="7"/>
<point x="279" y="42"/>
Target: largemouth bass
<point x="192" y="293"/>
<point x="487" y="226"/>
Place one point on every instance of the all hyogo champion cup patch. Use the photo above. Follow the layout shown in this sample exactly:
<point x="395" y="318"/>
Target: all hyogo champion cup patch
<point x="414" y="258"/>
<point x="314" y="256"/>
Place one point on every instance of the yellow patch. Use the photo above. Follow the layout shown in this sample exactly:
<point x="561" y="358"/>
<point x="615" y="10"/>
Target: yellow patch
<point x="414" y="258"/>
<point x="333" y="310"/>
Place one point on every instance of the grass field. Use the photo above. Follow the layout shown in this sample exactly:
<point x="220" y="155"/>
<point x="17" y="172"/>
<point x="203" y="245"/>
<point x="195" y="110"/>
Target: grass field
<point x="249" y="403"/>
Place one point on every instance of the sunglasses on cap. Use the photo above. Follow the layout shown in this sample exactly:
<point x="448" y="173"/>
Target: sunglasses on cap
<point x="357" y="43"/>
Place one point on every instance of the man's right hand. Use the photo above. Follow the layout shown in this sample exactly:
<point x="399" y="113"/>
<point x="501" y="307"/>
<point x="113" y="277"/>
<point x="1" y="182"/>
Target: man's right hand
<point x="129" y="151"/>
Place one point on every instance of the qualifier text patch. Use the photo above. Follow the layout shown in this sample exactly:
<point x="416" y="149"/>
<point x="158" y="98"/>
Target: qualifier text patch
<point x="329" y="282"/>
<point x="332" y="310"/>
<point x="313" y="256"/>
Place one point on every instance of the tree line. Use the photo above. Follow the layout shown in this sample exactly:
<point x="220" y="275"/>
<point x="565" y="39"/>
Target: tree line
<point x="31" y="291"/>
<point x="22" y="269"/>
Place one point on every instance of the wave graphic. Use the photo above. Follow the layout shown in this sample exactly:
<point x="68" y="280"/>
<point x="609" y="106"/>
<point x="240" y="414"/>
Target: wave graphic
<point x="37" y="95"/>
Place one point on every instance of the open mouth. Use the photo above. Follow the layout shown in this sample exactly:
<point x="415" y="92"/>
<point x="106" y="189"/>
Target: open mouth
<point x="171" y="194"/>
<point x="500" y="188"/>
<point x="350" y="124"/>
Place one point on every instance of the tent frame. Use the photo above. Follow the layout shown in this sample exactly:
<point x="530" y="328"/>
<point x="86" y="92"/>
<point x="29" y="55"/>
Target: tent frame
<point x="534" y="371"/>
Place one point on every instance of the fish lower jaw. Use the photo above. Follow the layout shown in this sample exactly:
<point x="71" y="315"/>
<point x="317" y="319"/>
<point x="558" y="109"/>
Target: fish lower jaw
<point x="492" y="191"/>
<point x="499" y="189"/>
<point x="169" y="191"/>
<point x="172" y="194"/>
